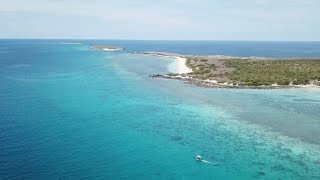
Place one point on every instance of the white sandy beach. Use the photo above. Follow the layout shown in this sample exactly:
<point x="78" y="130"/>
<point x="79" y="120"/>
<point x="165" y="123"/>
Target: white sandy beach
<point x="107" y="49"/>
<point x="181" y="66"/>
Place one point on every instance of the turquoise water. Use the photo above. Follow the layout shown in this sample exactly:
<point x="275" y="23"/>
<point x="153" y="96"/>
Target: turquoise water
<point x="68" y="112"/>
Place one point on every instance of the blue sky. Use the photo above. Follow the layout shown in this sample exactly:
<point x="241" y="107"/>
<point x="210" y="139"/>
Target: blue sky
<point x="289" y="20"/>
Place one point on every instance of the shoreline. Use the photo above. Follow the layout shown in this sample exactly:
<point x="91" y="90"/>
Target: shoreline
<point x="180" y="65"/>
<point x="184" y="73"/>
<point x="106" y="48"/>
<point x="215" y="84"/>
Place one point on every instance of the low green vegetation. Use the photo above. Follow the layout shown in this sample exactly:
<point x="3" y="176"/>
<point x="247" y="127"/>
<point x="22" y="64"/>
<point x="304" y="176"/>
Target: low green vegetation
<point x="255" y="72"/>
<point x="172" y="74"/>
<point x="199" y="67"/>
<point x="267" y="72"/>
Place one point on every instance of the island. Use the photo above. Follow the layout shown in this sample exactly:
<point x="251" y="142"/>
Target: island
<point x="246" y="72"/>
<point x="107" y="48"/>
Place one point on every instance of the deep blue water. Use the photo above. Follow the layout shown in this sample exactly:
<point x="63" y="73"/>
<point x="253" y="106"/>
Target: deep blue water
<point x="69" y="112"/>
<point x="228" y="48"/>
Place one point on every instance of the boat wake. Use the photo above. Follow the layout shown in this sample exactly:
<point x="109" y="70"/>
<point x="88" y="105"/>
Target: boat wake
<point x="208" y="162"/>
<point x="199" y="158"/>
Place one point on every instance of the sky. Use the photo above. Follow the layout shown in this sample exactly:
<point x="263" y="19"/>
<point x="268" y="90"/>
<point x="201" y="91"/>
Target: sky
<point x="267" y="20"/>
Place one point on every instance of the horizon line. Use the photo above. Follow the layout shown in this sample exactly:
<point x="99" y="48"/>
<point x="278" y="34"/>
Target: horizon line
<point x="105" y="39"/>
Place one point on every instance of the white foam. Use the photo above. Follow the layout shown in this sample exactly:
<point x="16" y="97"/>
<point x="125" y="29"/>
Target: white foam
<point x="208" y="162"/>
<point x="3" y="52"/>
<point x="18" y="66"/>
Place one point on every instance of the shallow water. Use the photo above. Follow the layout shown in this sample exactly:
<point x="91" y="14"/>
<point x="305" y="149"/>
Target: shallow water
<point x="70" y="112"/>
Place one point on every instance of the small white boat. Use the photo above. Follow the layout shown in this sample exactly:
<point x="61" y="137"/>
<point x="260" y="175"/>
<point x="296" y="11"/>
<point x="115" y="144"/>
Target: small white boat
<point x="199" y="158"/>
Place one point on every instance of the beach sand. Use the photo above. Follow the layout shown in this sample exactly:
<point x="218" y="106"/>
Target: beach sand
<point x="181" y="66"/>
<point x="106" y="49"/>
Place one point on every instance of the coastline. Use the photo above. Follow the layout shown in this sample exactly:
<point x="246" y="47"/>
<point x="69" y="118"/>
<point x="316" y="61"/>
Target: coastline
<point x="180" y="61"/>
<point x="180" y="65"/>
<point x="214" y="84"/>
<point x="183" y="72"/>
<point x="107" y="48"/>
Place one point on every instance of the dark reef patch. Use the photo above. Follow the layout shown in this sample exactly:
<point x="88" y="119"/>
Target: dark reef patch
<point x="176" y="138"/>
<point x="277" y="168"/>
<point x="259" y="174"/>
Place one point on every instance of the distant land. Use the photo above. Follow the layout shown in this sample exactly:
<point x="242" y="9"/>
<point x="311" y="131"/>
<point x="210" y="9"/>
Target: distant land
<point x="107" y="48"/>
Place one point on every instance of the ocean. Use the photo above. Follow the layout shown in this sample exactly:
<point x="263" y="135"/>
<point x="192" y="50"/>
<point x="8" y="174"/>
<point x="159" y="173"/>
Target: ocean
<point x="71" y="112"/>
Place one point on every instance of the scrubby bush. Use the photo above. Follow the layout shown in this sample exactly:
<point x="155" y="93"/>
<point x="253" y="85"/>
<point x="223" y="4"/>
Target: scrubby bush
<point x="267" y="72"/>
<point x="173" y="74"/>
